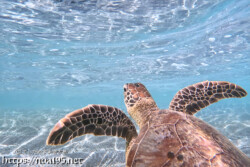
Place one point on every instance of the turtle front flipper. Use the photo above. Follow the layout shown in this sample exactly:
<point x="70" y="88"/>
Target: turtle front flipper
<point x="92" y="119"/>
<point x="193" y="98"/>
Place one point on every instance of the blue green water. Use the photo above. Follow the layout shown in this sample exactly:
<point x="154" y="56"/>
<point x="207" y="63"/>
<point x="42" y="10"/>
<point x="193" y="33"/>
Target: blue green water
<point x="58" y="56"/>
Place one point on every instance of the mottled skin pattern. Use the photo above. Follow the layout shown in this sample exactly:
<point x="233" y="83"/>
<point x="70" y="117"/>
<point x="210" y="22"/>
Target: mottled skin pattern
<point x="195" y="97"/>
<point x="92" y="119"/>
<point x="170" y="137"/>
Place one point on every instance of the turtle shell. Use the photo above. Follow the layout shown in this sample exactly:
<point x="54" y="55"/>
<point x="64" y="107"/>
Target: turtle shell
<point x="173" y="138"/>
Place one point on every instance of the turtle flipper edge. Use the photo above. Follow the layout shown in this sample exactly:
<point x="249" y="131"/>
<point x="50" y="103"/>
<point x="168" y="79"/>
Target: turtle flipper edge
<point x="193" y="98"/>
<point x="92" y="119"/>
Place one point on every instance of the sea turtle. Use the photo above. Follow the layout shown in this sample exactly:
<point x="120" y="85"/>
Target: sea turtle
<point x="168" y="137"/>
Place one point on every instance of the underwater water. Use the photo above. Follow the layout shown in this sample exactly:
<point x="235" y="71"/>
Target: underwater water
<point x="60" y="55"/>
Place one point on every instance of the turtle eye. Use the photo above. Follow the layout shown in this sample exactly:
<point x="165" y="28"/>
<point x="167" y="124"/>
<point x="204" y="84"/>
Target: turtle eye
<point x="137" y="85"/>
<point x="125" y="89"/>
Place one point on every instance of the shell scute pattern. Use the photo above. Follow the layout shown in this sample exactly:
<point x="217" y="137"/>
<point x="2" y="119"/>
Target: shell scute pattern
<point x="189" y="143"/>
<point x="157" y="135"/>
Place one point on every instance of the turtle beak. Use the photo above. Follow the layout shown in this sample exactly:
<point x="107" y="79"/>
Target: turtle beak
<point x="125" y="87"/>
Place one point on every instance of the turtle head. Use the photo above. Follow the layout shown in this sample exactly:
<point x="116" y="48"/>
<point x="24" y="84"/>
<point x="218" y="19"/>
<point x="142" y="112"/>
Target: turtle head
<point x="133" y="93"/>
<point x="138" y="101"/>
